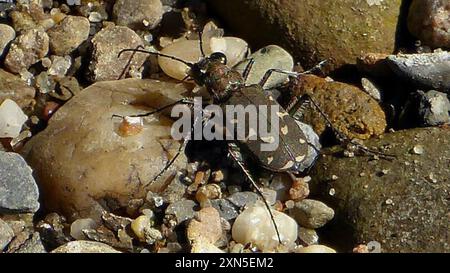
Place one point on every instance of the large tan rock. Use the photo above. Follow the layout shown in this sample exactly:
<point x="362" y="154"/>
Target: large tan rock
<point x="82" y="163"/>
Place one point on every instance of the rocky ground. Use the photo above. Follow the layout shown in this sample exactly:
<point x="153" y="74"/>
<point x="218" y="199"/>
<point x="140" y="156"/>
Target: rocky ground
<point x="76" y="178"/>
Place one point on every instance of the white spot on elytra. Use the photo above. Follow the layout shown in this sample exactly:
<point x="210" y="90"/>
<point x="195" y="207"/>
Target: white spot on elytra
<point x="285" y="130"/>
<point x="300" y="158"/>
<point x="269" y="139"/>
<point x="269" y="160"/>
<point x="302" y="141"/>
<point x="282" y="114"/>
<point x="288" y="165"/>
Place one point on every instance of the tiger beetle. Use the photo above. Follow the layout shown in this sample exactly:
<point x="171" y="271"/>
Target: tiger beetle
<point x="227" y="87"/>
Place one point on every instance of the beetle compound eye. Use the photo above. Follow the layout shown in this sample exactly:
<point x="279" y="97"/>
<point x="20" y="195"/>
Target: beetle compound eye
<point x="219" y="56"/>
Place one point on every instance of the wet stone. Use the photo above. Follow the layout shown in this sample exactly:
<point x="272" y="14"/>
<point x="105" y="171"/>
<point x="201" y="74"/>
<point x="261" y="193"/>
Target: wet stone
<point x="107" y="44"/>
<point x="426" y="70"/>
<point x="18" y="190"/>
<point x="7" y="34"/>
<point x="311" y="213"/>
<point x="27" y="49"/>
<point x="138" y="14"/>
<point x="434" y="108"/>
<point x="429" y="21"/>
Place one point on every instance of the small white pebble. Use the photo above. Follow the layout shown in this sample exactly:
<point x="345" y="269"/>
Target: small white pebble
<point x="334" y="177"/>
<point x="332" y="192"/>
<point x="418" y="150"/>
<point x="389" y="202"/>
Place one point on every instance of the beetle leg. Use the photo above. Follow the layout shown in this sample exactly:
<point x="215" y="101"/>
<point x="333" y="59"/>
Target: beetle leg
<point x="237" y="157"/>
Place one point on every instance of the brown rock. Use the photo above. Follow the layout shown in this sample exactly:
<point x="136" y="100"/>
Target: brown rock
<point x="352" y="111"/>
<point x="68" y="35"/>
<point x="312" y="30"/>
<point x="27" y="49"/>
<point x="13" y="88"/>
<point x="105" y="64"/>
<point x="205" y="226"/>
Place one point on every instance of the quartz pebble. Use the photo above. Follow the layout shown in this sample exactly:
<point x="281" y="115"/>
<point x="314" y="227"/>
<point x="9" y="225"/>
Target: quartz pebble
<point x="255" y="226"/>
<point x="27" y="49"/>
<point x="137" y="14"/>
<point x="315" y="249"/>
<point x="205" y="226"/>
<point x="77" y="227"/>
<point x="142" y="228"/>
<point x="12" y="119"/>
<point x="59" y="66"/>
<point x="85" y="247"/>
<point x="189" y="50"/>
<point x="269" y="57"/>
<point x="68" y="35"/>
<point x="18" y="190"/>
<point x="311" y="213"/>
<point x="7" y="34"/>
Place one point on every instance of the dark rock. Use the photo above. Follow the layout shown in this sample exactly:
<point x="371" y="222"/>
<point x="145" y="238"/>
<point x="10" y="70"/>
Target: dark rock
<point x="402" y="204"/>
<point x="181" y="211"/>
<point x="18" y="190"/>
<point x="434" y="108"/>
<point x="242" y="199"/>
<point x="225" y="208"/>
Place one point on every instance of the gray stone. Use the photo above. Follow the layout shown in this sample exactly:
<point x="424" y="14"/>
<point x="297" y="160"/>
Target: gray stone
<point x="68" y="35"/>
<point x="311" y="213"/>
<point x="429" y="21"/>
<point x="269" y="57"/>
<point x="32" y="245"/>
<point x="7" y="34"/>
<point x="225" y="208"/>
<point x="406" y="210"/>
<point x="18" y="190"/>
<point x="242" y="199"/>
<point x="85" y="247"/>
<point x="107" y="44"/>
<point x="434" y="108"/>
<point x="428" y="70"/>
<point x="27" y="49"/>
<point x="182" y="210"/>
<point x="138" y="14"/>
<point x="6" y="234"/>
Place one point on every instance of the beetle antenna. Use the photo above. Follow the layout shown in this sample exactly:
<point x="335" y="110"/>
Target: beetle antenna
<point x="156" y="54"/>
<point x="200" y="34"/>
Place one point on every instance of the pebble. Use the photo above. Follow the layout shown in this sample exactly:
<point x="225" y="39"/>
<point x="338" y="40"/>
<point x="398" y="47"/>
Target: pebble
<point x="299" y="190"/>
<point x="18" y="190"/>
<point x="242" y="199"/>
<point x="7" y="34"/>
<point x="77" y="227"/>
<point x="68" y="35"/>
<point x="311" y="213"/>
<point x="140" y="225"/>
<point x="434" y="108"/>
<point x="418" y="149"/>
<point x="308" y="236"/>
<point x="32" y="245"/>
<point x="371" y="88"/>
<point x="208" y="192"/>
<point x="85" y="247"/>
<point x="60" y="65"/>
<point x="269" y="57"/>
<point x="12" y="118"/>
<point x="201" y="246"/>
<point x="225" y="208"/>
<point x="181" y="211"/>
<point x="429" y="21"/>
<point x="315" y="249"/>
<point x="107" y="44"/>
<point x="282" y="183"/>
<point x="189" y="50"/>
<point x="6" y="234"/>
<point x="205" y="226"/>
<point x="353" y="112"/>
<point x="428" y="70"/>
<point x="27" y="49"/>
<point x="255" y="226"/>
<point x="133" y="13"/>
<point x="80" y="144"/>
